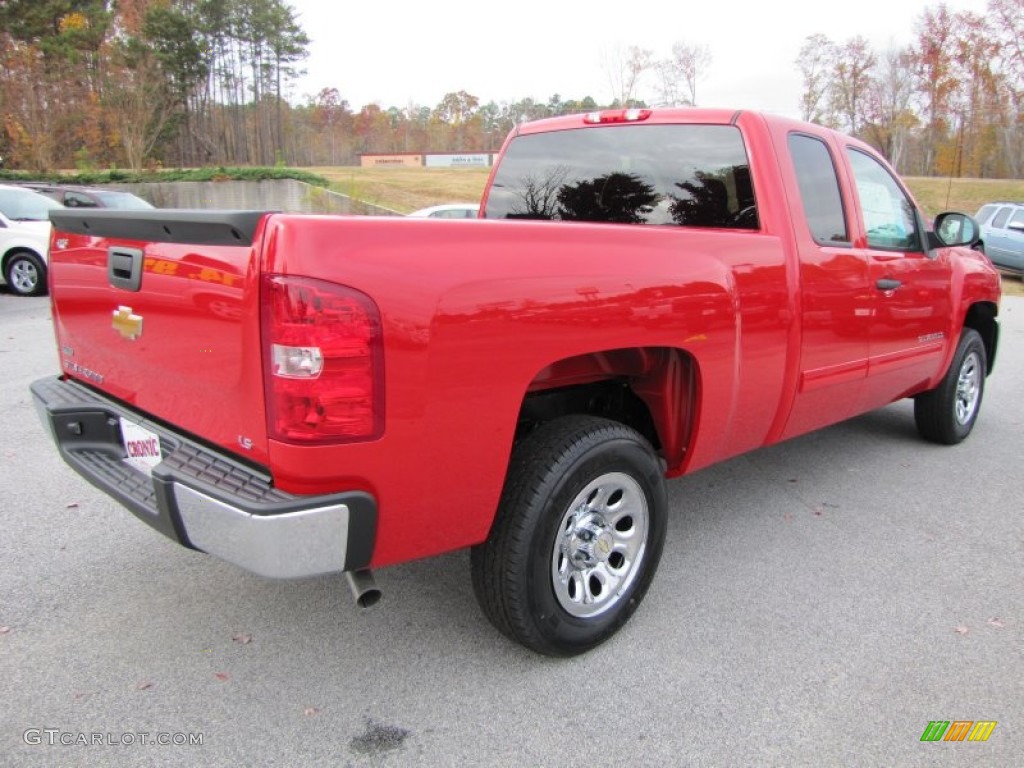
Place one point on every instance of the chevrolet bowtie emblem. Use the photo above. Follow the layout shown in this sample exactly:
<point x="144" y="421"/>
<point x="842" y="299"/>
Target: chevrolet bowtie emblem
<point x="127" y="324"/>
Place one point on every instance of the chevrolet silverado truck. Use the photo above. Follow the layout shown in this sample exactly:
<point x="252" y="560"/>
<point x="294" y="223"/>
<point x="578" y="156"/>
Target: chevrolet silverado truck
<point x="644" y="293"/>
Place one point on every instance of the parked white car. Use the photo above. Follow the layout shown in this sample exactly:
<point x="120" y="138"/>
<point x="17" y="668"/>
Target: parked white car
<point x="24" y="239"/>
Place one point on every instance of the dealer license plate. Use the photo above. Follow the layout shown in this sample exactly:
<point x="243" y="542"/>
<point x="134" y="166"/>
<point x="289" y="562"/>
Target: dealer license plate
<point x="141" y="446"/>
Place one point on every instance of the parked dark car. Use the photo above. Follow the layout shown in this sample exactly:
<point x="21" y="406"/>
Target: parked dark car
<point x="91" y="197"/>
<point x="1002" y="235"/>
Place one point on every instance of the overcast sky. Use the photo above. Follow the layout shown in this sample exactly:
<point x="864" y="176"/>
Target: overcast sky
<point x="402" y="53"/>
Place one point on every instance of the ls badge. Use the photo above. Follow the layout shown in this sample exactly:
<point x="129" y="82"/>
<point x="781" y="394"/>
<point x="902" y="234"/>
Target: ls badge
<point x="126" y="323"/>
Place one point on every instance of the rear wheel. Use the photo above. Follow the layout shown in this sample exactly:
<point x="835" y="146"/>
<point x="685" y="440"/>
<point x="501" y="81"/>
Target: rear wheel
<point x="26" y="274"/>
<point x="577" y="537"/>
<point x="947" y="413"/>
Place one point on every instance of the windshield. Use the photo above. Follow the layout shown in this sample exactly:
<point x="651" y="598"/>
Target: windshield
<point x="682" y="175"/>
<point x="25" y="205"/>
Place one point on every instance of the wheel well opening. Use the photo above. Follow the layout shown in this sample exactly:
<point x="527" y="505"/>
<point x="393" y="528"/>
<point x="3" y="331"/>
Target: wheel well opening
<point x="612" y="399"/>
<point x="652" y="390"/>
<point x="982" y="318"/>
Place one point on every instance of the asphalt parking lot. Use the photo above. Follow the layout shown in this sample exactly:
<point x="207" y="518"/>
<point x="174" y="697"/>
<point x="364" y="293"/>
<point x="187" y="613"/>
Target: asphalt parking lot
<point x="818" y="603"/>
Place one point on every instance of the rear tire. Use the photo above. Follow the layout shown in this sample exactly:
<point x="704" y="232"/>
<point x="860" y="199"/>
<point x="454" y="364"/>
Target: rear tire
<point x="947" y="413"/>
<point x="577" y="537"/>
<point x="26" y="274"/>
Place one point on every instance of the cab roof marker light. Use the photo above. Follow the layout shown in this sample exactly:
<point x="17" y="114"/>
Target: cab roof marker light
<point x="632" y="115"/>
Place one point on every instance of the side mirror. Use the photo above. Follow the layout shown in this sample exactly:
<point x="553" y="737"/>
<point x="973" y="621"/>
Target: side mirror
<point x="1016" y="225"/>
<point x="952" y="229"/>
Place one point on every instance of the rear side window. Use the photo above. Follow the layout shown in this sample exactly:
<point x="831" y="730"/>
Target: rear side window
<point x="819" y="189"/>
<point x="78" y="200"/>
<point x="681" y="175"/>
<point x="984" y="213"/>
<point x="1000" y="220"/>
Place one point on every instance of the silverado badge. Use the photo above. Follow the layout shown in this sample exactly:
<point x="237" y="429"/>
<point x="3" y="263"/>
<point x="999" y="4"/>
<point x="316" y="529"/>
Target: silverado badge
<point x="127" y="324"/>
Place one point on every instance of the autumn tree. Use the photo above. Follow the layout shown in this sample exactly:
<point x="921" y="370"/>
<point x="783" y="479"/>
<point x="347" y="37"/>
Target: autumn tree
<point x="976" y="101"/>
<point x="936" y="80"/>
<point x="52" y="51"/>
<point x="1008" y="29"/>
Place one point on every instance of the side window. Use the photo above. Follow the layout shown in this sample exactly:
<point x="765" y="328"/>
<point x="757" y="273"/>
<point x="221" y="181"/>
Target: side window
<point x="1017" y="220"/>
<point x="75" y="200"/>
<point x="819" y="189"/>
<point x="1000" y="220"/>
<point x="890" y="219"/>
<point x="984" y="213"/>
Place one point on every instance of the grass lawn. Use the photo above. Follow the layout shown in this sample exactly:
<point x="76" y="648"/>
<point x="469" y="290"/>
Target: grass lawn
<point x="406" y="189"/>
<point x="967" y="195"/>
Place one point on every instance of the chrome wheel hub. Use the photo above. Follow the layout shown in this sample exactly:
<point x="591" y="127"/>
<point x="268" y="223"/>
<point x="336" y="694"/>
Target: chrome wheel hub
<point x="24" y="276"/>
<point x="600" y="545"/>
<point x="968" y="388"/>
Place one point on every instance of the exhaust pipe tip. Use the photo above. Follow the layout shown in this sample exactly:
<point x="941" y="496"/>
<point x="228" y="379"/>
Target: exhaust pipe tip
<point x="364" y="588"/>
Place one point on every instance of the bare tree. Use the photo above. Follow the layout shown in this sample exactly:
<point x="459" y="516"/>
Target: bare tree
<point x="679" y="73"/>
<point x="625" y="67"/>
<point x="851" y="82"/>
<point x="140" y="100"/>
<point x="889" y="107"/>
<point x="816" y="61"/>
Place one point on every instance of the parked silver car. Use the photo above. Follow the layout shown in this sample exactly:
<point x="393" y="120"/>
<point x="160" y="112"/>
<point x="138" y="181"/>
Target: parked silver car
<point x="1002" y="235"/>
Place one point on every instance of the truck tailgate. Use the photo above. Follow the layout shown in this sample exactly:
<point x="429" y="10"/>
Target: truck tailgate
<point x="160" y="309"/>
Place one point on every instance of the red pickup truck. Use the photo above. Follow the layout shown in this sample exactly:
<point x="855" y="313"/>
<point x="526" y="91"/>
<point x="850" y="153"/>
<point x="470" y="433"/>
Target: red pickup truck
<point x="645" y="293"/>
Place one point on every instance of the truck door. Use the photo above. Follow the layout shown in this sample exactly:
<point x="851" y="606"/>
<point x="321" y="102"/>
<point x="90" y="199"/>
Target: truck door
<point x="910" y="286"/>
<point x="834" y="293"/>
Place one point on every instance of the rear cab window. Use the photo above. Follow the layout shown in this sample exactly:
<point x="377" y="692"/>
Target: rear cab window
<point x="675" y="175"/>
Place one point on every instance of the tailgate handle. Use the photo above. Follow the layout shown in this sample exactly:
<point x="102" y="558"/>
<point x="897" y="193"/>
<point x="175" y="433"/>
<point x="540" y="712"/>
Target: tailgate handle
<point x="124" y="268"/>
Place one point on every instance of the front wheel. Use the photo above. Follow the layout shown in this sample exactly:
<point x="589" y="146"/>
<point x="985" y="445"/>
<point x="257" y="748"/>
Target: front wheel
<point x="26" y="274"/>
<point x="577" y="538"/>
<point x="947" y="413"/>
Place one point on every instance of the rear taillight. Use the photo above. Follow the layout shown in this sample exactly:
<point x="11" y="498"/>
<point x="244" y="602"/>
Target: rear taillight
<point x="323" y="362"/>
